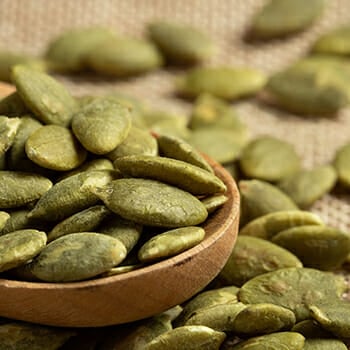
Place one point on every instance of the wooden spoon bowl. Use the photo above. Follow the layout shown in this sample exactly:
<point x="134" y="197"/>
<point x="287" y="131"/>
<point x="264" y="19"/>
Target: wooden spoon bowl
<point x="133" y="295"/>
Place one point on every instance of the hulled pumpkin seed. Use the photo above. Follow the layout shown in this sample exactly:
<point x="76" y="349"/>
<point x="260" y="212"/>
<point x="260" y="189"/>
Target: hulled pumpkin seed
<point x="152" y="203"/>
<point x="292" y="288"/>
<point x="311" y="329"/>
<point x="4" y="217"/>
<point x="306" y="186"/>
<point x="8" y="131"/>
<point x="335" y="42"/>
<point x="45" y="97"/>
<point x="333" y="316"/>
<point x="282" y="17"/>
<point x="263" y="318"/>
<point x="18" y="247"/>
<point x="20" y="188"/>
<point x="320" y="247"/>
<point x="170" y="243"/>
<point x="120" y="270"/>
<point x="259" y="198"/>
<point x="101" y="125"/>
<point x="13" y="106"/>
<point x="180" y="43"/>
<point x="188" y="337"/>
<point x="55" y="147"/>
<point x="83" y="221"/>
<point x="267" y="226"/>
<point x="77" y="256"/>
<point x="172" y="171"/>
<point x="224" y="82"/>
<point x="124" y="57"/>
<point x="252" y="256"/>
<point x="324" y="344"/>
<point x="268" y="158"/>
<point x="214" y="202"/>
<point x="342" y="165"/>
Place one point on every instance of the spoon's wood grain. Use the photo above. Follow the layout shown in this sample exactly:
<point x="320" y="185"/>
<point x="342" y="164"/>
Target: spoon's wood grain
<point x="133" y="295"/>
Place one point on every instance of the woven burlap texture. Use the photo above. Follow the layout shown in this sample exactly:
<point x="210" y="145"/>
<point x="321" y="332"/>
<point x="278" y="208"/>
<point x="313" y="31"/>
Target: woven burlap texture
<point x="28" y="25"/>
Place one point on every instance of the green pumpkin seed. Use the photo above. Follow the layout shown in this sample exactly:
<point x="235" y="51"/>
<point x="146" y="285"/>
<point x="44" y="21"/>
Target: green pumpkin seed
<point x="306" y="92"/>
<point x="205" y="300"/>
<point x="268" y="158"/>
<point x="180" y="43"/>
<point x="188" y="337"/>
<point x="259" y="198"/>
<point x="18" y="247"/>
<point x="170" y="243"/>
<point x="223" y="82"/>
<point x="124" y="57"/>
<point x="128" y="232"/>
<point x="28" y="336"/>
<point x="102" y="117"/>
<point x="279" y="340"/>
<point x="4" y="217"/>
<point x="283" y="17"/>
<point x="341" y="164"/>
<point x="172" y="171"/>
<point x="83" y="221"/>
<point x="307" y="186"/>
<point x="120" y="270"/>
<point x="320" y="247"/>
<point x="263" y="318"/>
<point x="138" y="142"/>
<point x="292" y="288"/>
<point x="55" y="147"/>
<point x="70" y="195"/>
<point x="20" y="188"/>
<point x="324" y="344"/>
<point x="68" y="51"/>
<point x="333" y="316"/>
<point x="218" y="317"/>
<point x="45" y="97"/>
<point x="253" y="256"/>
<point x="153" y="116"/>
<point x="311" y="329"/>
<point x="176" y="148"/>
<point x="171" y="127"/>
<point x="335" y="42"/>
<point x="77" y="256"/>
<point x="214" y="202"/>
<point x="13" y="106"/>
<point x="267" y="226"/>
<point x="8" y="131"/>
<point x="152" y="203"/>
<point x="226" y="148"/>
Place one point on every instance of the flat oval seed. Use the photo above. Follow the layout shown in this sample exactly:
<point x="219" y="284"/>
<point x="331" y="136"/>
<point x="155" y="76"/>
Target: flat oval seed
<point x="170" y="243"/>
<point x="45" y="97"/>
<point x="12" y="105"/>
<point x="267" y="226"/>
<point x="306" y="186"/>
<point x="278" y="341"/>
<point x="214" y="202"/>
<point x="324" y="344"/>
<point x="18" y="247"/>
<point x="282" y="17"/>
<point x="55" y="147"/>
<point x="174" y="147"/>
<point x="320" y="247"/>
<point x="224" y="82"/>
<point x="138" y="142"/>
<point x="262" y="318"/>
<point x="259" y="198"/>
<point x="4" y="217"/>
<point x="172" y="171"/>
<point x="8" y="130"/>
<point x="180" y="43"/>
<point x="188" y="337"/>
<point x="70" y="195"/>
<point x="253" y="256"/>
<point x="342" y="165"/>
<point x="19" y="188"/>
<point x="268" y="158"/>
<point x="83" y="221"/>
<point x="333" y="316"/>
<point x="152" y="203"/>
<point x="311" y="329"/>
<point x="336" y="42"/>
<point x="29" y="336"/>
<point x="101" y="125"/>
<point x="78" y="256"/>
<point x="292" y="288"/>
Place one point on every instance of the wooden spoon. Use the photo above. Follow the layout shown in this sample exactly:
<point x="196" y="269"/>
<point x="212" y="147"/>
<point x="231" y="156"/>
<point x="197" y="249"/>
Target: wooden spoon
<point x="133" y="295"/>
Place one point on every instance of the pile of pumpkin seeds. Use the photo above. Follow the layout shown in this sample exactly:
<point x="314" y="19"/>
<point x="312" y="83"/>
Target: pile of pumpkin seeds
<point x="280" y="288"/>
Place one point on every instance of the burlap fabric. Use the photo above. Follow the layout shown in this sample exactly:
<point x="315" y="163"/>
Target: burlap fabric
<point x="28" y="25"/>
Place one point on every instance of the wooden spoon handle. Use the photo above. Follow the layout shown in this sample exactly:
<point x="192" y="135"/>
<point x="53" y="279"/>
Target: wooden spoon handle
<point x="6" y="89"/>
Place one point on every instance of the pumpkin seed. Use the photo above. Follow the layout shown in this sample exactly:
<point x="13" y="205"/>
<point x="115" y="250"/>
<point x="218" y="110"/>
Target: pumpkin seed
<point x="342" y="165"/>
<point x="13" y="106"/>
<point x="311" y="329"/>
<point x="324" y="344"/>
<point x="336" y="42"/>
<point x="214" y="202"/>
<point x="8" y="131"/>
